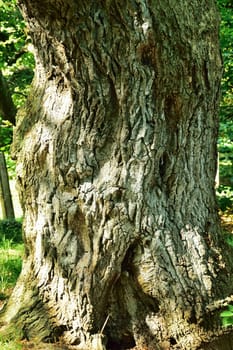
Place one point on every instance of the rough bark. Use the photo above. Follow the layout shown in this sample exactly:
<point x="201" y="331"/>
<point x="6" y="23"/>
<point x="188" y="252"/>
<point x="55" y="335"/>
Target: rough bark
<point x="117" y="157"/>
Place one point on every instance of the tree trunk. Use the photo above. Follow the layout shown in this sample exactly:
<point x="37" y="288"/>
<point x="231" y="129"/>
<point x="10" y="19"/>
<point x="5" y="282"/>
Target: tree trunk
<point x="7" y="107"/>
<point x="116" y="154"/>
<point x="5" y="192"/>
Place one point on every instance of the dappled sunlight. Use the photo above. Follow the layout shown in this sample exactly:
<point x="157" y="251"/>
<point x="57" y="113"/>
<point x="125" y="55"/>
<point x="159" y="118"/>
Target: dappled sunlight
<point x="227" y="221"/>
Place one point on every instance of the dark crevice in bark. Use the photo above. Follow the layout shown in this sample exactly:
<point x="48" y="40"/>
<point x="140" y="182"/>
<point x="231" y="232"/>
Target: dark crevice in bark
<point x="128" y="298"/>
<point x="163" y="165"/>
<point x="127" y="342"/>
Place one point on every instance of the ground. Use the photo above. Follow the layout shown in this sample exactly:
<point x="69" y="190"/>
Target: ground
<point x="227" y="222"/>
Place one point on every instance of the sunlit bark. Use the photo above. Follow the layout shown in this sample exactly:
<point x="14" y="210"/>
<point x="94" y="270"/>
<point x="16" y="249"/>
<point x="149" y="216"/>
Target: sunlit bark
<point x="116" y="155"/>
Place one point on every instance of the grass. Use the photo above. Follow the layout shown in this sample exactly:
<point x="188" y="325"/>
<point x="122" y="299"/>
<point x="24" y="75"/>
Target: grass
<point x="7" y="344"/>
<point x="11" y="251"/>
<point x="11" y="345"/>
<point x="11" y="264"/>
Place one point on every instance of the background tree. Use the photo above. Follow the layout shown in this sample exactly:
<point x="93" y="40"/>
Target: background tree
<point x="7" y="107"/>
<point x="16" y="68"/>
<point x="116" y="155"/>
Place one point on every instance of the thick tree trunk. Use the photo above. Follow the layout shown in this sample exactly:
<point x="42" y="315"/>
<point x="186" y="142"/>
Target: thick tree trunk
<point x="116" y="163"/>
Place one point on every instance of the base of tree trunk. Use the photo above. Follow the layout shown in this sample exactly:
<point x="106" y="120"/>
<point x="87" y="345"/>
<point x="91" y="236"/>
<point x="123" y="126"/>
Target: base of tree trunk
<point x="120" y="329"/>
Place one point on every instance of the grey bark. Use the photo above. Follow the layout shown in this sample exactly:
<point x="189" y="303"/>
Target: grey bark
<point x="117" y="158"/>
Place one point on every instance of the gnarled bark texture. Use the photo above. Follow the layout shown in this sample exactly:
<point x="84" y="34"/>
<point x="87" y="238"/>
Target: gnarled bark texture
<point x="116" y="157"/>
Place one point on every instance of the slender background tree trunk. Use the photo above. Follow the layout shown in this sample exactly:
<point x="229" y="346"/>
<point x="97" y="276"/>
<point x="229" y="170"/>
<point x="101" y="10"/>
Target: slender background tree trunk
<point x="5" y="192"/>
<point x="7" y="107"/>
<point x="116" y="157"/>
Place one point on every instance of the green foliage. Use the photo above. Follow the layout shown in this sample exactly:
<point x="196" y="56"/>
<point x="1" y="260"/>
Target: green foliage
<point x="11" y="264"/>
<point x="16" y="62"/>
<point x="12" y="35"/>
<point x="5" y="135"/>
<point x="226" y="9"/>
<point x="226" y="137"/>
<point x="225" y="148"/>
<point x="10" y="230"/>
<point x="6" y="344"/>
<point x="229" y="239"/>
<point x="11" y="251"/>
<point x="226" y="107"/>
<point x="8" y="339"/>
<point x="227" y="316"/>
<point x="225" y="198"/>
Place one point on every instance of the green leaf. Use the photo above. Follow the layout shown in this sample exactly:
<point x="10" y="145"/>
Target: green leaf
<point x="227" y="322"/>
<point x="226" y="313"/>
